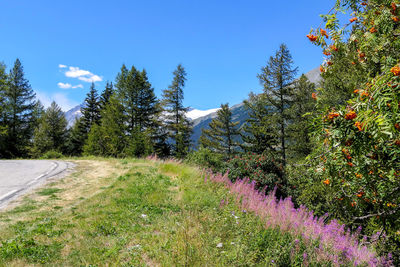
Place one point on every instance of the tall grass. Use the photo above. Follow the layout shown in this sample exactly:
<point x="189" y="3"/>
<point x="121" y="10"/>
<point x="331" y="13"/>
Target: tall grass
<point x="337" y="245"/>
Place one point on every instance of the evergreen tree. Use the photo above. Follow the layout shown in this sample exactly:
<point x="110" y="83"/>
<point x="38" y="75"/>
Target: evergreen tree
<point x="277" y="78"/>
<point x="299" y="128"/>
<point x="3" y="124"/>
<point x="19" y="109"/>
<point x="105" y="95"/>
<point x="222" y="133"/>
<point x="109" y="139"/>
<point x="259" y="135"/>
<point x="91" y="109"/>
<point x="141" y="111"/>
<point x="178" y="125"/>
<point x="51" y="133"/>
<point x="76" y="138"/>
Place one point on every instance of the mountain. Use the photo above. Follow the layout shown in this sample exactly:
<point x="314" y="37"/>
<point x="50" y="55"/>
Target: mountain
<point x="202" y="118"/>
<point x="73" y="114"/>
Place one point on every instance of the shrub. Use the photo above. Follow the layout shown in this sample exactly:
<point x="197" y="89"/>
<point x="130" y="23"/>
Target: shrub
<point x="52" y="154"/>
<point x="264" y="170"/>
<point x="206" y="158"/>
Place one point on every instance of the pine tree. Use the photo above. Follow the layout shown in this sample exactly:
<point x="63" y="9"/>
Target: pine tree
<point x="277" y="78"/>
<point x="76" y="138"/>
<point x="259" y="135"/>
<point x="19" y="108"/>
<point x="3" y="124"/>
<point x="105" y="95"/>
<point x="109" y="139"/>
<point x="91" y="109"/>
<point x="51" y="133"/>
<point x="178" y="125"/>
<point x="222" y="133"/>
<point x="142" y="111"/>
<point x="299" y="128"/>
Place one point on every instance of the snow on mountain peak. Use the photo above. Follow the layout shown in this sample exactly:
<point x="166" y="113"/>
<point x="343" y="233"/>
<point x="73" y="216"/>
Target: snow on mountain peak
<point x="196" y="113"/>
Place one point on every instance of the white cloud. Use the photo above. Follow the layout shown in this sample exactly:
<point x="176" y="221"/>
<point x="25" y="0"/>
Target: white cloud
<point x="68" y="86"/>
<point x="83" y="75"/>
<point x="64" y="85"/>
<point x="61" y="66"/>
<point x="91" y="79"/>
<point x="60" y="98"/>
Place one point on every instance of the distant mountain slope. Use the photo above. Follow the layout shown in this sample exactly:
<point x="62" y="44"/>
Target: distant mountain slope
<point x="73" y="114"/>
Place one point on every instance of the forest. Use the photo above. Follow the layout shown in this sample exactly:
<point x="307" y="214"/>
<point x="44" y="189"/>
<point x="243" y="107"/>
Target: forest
<point x="332" y="147"/>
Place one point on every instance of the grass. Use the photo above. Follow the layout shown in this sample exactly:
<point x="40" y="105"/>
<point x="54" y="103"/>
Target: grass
<point x="140" y="213"/>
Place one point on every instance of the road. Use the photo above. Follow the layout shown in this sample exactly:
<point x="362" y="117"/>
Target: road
<point x="19" y="176"/>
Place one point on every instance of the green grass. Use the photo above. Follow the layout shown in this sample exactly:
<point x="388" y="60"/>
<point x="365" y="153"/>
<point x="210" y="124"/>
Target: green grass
<point x="159" y="214"/>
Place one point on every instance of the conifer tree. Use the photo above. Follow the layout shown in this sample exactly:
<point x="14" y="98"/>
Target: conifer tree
<point x="277" y="78"/>
<point x="178" y="125"/>
<point x="222" y="133"/>
<point x="299" y="128"/>
<point x="91" y="109"/>
<point x="51" y="133"/>
<point x="141" y="111"/>
<point x="109" y="138"/>
<point x="76" y="138"/>
<point x="20" y="100"/>
<point x="3" y="125"/>
<point x="259" y="135"/>
<point x="105" y="95"/>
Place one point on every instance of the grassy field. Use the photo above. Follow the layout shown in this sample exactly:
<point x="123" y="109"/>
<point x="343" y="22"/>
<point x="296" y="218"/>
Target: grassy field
<point x="134" y="212"/>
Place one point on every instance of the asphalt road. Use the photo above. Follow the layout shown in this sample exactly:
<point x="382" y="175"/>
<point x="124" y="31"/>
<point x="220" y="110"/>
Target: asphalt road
<point x="19" y="176"/>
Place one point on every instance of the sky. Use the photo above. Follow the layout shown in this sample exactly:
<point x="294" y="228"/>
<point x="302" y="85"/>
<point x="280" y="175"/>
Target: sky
<point x="66" y="45"/>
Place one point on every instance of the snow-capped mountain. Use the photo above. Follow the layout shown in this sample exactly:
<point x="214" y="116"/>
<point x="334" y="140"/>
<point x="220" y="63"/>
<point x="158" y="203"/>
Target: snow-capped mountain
<point x="197" y="113"/>
<point x="73" y="114"/>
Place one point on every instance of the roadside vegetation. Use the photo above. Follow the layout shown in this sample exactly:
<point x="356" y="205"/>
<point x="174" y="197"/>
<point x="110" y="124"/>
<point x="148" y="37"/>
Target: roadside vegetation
<point x="152" y="213"/>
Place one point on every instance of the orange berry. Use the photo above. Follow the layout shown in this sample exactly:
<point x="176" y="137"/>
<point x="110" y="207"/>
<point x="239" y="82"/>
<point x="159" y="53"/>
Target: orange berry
<point x="327" y="182"/>
<point x="353" y="19"/>
<point x="312" y="37"/>
<point x="372" y="30"/>
<point x="350" y="115"/>
<point x="395" y="70"/>
<point x="314" y="96"/>
<point x="324" y="33"/>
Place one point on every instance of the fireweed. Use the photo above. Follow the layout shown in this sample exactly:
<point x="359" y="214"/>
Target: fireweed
<point x="337" y="244"/>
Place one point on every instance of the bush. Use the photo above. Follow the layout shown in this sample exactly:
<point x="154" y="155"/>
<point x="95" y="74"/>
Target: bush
<point x="264" y="170"/>
<point x="52" y="154"/>
<point x="206" y="158"/>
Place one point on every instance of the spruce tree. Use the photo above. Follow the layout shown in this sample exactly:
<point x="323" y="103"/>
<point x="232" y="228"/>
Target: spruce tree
<point x="109" y="138"/>
<point x="76" y="138"/>
<point x="3" y="124"/>
<point x="277" y="78"/>
<point x="223" y="132"/>
<point x="141" y="111"/>
<point x="299" y="129"/>
<point x="178" y="125"/>
<point x="91" y="109"/>
<point x="20" y="102"/>
<point x="105" y="95"/>
<point x="259" y="135"/>
<point x="51" y="133"/>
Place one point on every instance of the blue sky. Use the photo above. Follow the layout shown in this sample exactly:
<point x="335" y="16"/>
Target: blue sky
<point x="63" y="45"/>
